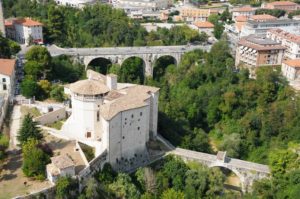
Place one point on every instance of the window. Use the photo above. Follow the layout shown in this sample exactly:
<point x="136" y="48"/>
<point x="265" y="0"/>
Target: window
<point x="98" y="116"/>
<point x="141" y="113"/>
<point x="4" y="87"/>
<point x="88" y="134"/>
<point x="3" y="80"/>
<point x="132" y="116"/>
<point x="138" y="128"/>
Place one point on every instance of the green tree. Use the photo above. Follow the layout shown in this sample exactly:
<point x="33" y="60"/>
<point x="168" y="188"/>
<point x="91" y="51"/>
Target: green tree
<point x="28" y="130"/>
<point x="56" y="23"/>
<point x="4" y="143"/>
<point x="33" y="69"/>
<point x="30" y="88"/>
<point x="57" y="93"/>
<point x="65" y="186"/>
<point x="172" y="194"/>
<point x="124" y="188"/>
<point x="35" y="160"/>
<point x="92" y="189"/>
<point x="218" y="30"/>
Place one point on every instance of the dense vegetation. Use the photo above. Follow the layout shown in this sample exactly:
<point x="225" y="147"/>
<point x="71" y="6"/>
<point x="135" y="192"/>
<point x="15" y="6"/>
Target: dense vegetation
<point x="8" y="47"/>
<point x="99" y="25"/>
<point x="276" y="12"/>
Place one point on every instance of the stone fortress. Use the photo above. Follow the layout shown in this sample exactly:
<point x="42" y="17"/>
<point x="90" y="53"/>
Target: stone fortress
<point x="118" y="118"/>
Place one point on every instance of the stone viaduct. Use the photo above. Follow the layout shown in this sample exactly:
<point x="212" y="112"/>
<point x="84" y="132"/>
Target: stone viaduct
<point x="247" y="172"/>
<point x="149" y="54"/>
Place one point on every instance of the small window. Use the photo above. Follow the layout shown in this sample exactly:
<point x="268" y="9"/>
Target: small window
<point x="123" y="137"/>
<point x="3" y="79"/>
<point x="88" y="134"/>
<point x="98" y="116"/>
<point x="141" y="113"/>
<point x="4" y="87"/>
<point x="132" y="116"/>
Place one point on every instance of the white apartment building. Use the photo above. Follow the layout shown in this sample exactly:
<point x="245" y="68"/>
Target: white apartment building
<point x="143" y="5"/>
<point x="7" y="76"/>
<point x="261" y="27"/>
<point x="255" y="51"/>
<point x="291" y="69"/>
<point x="24" y="30"/>
<point x="246" y="11"/>
<point x="75" y="3"/>
<point x="288" y="40"/>
<point x="114" y="117"/>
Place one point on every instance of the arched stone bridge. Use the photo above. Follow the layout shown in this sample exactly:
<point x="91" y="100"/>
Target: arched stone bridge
<point x="148" y="54"/>
<point x="247" y="172"/>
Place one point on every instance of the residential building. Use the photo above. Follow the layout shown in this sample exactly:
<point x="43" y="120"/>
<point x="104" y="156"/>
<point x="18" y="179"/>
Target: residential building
<point x="143" y="5"/>
<point x="2" y="27"/>
<point x="262" y="18"/>
<point x="7" y="76"/>
<point x="75" y="3"/>
<point x="255" y="51"/>
<point x="24" y="30"/>
<point x="291" y="69"/>
<point x="260" y="27"/>
<point x="118" y="118"/>
<point x="205" y="26"/>
<point x="60" y="166"/>
<point x="195" y="14"/>
<point x="246" y="11"/>
<point x="290" y="41"/>
<point x="281" y="5"/>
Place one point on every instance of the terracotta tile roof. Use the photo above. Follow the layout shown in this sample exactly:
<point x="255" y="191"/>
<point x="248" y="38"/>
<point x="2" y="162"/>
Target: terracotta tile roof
<point x="132" y="97"/>
<point x="260" y="43"/>
<point x="62" y="161"/>
<point x="241" y="18"/>
<point x="8" y="23"/>
<point x="7" y="66"/>
<point x="27" y="22"/>
<point x="263" y="17"/>
<point x="283" y="3"/>
<point x="285" y="35"/>
<point x="243" y="9"/>
<point x="295" y="63"/>
<point x="239" y="25"/>
<point x="203" y="24"/>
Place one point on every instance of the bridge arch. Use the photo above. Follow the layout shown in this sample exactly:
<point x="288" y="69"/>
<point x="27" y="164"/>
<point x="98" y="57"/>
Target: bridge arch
<point x="161" y="63"/>
<point x="234" y="170"/>
<point x="133" y="69"/>
<point x="100" y="64"/>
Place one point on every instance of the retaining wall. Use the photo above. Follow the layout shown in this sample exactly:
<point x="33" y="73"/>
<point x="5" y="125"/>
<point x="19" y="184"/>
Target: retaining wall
<point x="51" y="117"/>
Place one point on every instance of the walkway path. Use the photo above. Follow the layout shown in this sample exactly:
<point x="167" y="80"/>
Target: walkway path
<point x="14" y="127"/>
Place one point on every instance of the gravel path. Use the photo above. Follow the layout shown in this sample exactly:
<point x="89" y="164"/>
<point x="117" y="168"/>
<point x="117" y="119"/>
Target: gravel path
<point x="14" y="127"/>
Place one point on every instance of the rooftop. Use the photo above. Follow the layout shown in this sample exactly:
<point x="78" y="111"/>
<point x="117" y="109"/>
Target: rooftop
<point x="7" y="66"/>
<point x="263" y="17"/>
<point x="283" y="3"/>
<point x="27" y="22"/>
<point x="295" y="63"/>
<point x="89" y="87"/>
<point x="203" y="24"/>
<point x="243" y="9"/>
<point x="277" y="22"/>
<point x="241" y="18"/>
<point x="130" y="97"/>
<point x="62" y="161"/>
<point x="286" y="35"/>
<point x="260" y="43"/>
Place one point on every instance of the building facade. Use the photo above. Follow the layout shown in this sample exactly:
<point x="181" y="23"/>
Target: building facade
<point x="195" y="14"/>
<point x="118" y="118"/>
<point x="256" y="51"/>
<point x="288" y="40"/>
<point x="291" y="69"/>
<point x="246" y="11"/>
<point x="205" y="26"/>
<point x="281" y="5"/>
<point x="60" y="166"/>
<point x="261" y="27"/>
<point x="2" y="26"/>
<point x="24" y="31"/>
<point x="7" y="76"/>
<point x="75" y="3"/>
<point x="143" y="5"/>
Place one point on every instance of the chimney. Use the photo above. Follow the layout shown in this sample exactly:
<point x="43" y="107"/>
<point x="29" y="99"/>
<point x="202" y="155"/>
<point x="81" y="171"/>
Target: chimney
<point x="111" y="81"/>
